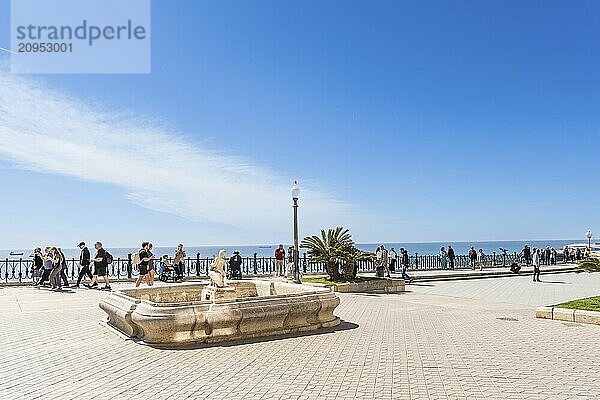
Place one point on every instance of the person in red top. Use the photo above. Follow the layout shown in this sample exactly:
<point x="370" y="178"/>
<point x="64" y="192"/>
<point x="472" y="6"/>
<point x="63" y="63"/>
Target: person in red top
<point x="280" y="260"/>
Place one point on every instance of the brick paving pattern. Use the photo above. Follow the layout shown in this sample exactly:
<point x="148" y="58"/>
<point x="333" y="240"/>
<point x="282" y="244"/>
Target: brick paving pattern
<point x="442" y="340"/>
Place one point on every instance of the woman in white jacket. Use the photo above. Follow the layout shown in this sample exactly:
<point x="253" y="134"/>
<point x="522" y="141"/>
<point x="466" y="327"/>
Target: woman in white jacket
<point x="480" y="259"/>
<point x="536" y="265"/>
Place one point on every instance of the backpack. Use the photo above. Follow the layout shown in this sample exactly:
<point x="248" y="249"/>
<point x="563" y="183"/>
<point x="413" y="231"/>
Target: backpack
<point x="109" y="258"/>
<point x="136" y="258"/>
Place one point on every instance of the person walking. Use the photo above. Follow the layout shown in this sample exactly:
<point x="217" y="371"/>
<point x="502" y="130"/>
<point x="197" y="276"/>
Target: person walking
<point x="144" y="257"/>
<point x="57" y="266"/>
<point x="178" y="262"/>
<point x="38" y="266"/>
<point x="151" y="266"/>
<point x="393" y="256"/>
<point x="100" y="267"/>
<point x="472" y="257"/>
<point x="566" y="255"/>
<point x="384" y="261"/>
<point x="290" y="260"/>
<point x="443" y="258"/>
<point x="553" y="255"/>
<point x="64" y="269"/>
<point x="280" y="260"/>
<point x="548" y="254"/>
<point x="405" y="263"/>
<point x="378" y="262"/>
<point x="526" y="254"/>
<point x="84" y="262"/>
<point x="48" y="263"/>
<point x="451" y="256"/>
<point x="480" y="259"/>
<point x="536" y="265"/>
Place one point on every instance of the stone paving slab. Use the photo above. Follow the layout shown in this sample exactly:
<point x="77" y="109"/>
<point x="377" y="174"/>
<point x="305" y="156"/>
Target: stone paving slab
<point x="553" y="289"/>
<point x="432" y="343"/>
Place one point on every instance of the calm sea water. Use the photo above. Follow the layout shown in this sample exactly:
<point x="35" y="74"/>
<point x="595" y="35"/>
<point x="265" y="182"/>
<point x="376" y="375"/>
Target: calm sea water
<point x="427" y="248"/>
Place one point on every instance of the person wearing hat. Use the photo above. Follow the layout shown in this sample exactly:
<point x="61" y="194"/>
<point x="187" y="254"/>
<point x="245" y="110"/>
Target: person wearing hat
<point x="235" y="266"/>
<point x="84" y="261"/>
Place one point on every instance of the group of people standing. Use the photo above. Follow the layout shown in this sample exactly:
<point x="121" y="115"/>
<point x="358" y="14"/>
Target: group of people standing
<point x="575" y="254"/>
<point x="50" y="267"/>
<point x="386" y="262"/>
<point x="280" y="260"/>
<point x="547" y="256"/>
<point x="448" y="258"/>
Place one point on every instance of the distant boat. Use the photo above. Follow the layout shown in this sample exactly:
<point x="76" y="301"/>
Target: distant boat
<point x="14" y="253"/>
<point x="264" y="247"/>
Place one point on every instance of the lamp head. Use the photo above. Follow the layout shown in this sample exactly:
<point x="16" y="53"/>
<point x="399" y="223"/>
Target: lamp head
<point x="295" y="191"/>
<point x="588" y="234"/>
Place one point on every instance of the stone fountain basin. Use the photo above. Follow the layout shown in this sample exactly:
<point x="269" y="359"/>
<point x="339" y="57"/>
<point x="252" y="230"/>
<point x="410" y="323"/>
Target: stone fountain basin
<point x="176" y="314"/>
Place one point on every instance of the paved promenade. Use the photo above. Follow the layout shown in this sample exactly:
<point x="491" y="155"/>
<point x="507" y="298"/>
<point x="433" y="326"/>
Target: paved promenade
<point x="474" y="339"/>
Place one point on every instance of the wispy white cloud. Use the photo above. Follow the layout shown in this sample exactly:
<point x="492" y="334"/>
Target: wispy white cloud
<point x="44" y="130"/>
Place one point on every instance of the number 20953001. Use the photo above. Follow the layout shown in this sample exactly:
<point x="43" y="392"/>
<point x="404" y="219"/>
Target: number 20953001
<point x="45" y="47"/>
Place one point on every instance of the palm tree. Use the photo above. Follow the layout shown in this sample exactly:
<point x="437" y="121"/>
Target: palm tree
<point x="351" y="258"/>
<point x="329" y="248"/>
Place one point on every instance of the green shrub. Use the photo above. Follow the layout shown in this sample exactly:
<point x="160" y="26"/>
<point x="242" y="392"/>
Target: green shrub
<point x="589" y="265"/>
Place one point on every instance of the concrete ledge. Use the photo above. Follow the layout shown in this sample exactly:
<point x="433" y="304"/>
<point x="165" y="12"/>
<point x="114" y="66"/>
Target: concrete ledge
<point x="563" y="314"/>
<point x="587" y="317"/>
<point x="544" y="312"/>
<point x="568" y="315"/>
<point x="374" y="286"/>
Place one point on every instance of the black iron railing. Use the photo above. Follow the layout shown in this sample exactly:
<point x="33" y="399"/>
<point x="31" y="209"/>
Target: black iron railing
<point x="20" y="270"/>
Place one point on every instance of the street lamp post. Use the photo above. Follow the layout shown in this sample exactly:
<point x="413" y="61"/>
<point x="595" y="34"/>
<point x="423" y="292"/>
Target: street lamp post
<point x="295" y="196"/>
<point x="588" y="235"/>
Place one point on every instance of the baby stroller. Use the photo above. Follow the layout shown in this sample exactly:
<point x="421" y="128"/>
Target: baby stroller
<point x="169" y="273"/>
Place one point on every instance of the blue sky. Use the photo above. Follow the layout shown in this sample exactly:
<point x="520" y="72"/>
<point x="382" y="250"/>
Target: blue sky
<point x="406" y="121"/>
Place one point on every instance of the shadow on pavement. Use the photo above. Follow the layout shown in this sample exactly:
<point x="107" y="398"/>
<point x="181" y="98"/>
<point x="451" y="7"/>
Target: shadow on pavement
<point x="343" y="326"/>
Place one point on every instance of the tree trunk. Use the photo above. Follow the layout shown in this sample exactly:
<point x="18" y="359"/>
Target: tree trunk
<point x="332" y="270"/>
<point x="349" y="270"/>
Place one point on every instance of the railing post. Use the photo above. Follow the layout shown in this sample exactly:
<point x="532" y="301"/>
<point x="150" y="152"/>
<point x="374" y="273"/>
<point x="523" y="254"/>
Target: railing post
<point x="129" y="266"/>
<point x="197" y="264"/>
<point x="304" y="262"/>
<point x="416" y="260"/>
<point x="254" y="266"/>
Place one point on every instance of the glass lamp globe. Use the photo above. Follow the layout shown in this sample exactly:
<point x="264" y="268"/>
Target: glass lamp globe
<point x="295" y="191"/>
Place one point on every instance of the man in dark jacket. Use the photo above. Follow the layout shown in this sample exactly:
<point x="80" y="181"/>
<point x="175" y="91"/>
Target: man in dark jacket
<point x="405" y="264"/>
<point x="84" y="261"/>
<point x="451" y="256"/>
<point x="472" y="257"/>
<point x="100" y="268"/>
<point x="38" y="265"/>
<point x="527" y="255"/>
